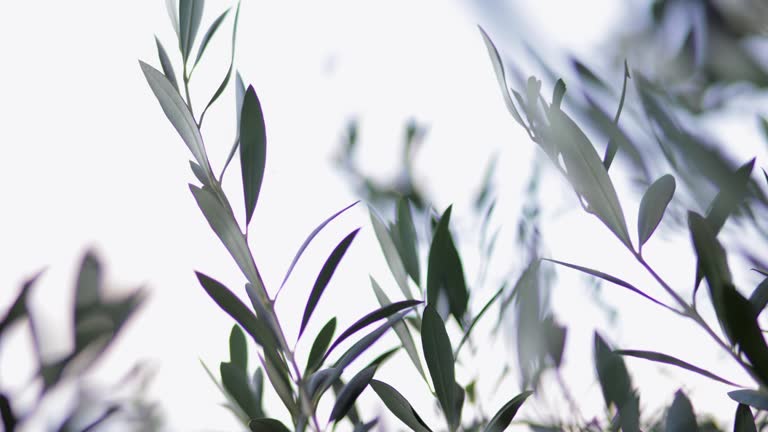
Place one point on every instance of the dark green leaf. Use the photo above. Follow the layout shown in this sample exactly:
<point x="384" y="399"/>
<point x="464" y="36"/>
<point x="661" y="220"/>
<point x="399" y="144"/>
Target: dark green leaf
<point x="88" y="285"/>
<point x="6" y="414"/>
<point x="309" y="239"/>
<point x="209" y="34"/>
<point x="238" y="348"/>
<point x="320" y="346"/>
<point x="611" y="279"/>
<point x="399" y="406"/>
<point x="440" y="363"/>
<point x="680" y="417"/>
<point x="759" y="297"/>
<point x="232" y="404"/>
<point x="558" y="93"/>
<point x="325" y="276"/>
<point x="178" y="114"/>
<point x="587" y="174"/>
<point x="744" y="422"/>
<point x="445" y="272"/>
<point x="253" y="150"/>
<point x="744" y="331"/>
<point x="498" y="69"/>
<point x="235" y="381"/>
<point x="668" y="359"/>
<point x="225" y="81"/>
<point x="504" y="416"/>
<point x="754" y="398"/>
<point x="267" y="425"/>
<point x="612" y="148"/>
<point x="391" y="254"/>
<point x="363" y="344"/>
<point x="165" y="63"/>
<point x="381" y="313"/>
<point x="612" y="374"/>
<point x="350" y="392"/>
<point x="230" y="304"/>
<point x="407" y="241"/>
<point x="653" y="205"/>
<point x="18" y="308"/>
<point x="190" y="13"/>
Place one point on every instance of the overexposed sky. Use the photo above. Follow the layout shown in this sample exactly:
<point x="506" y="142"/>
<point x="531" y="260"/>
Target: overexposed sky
<point x="91" y="161"/>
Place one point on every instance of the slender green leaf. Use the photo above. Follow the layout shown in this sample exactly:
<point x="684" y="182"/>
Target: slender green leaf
<point x="320" y="346"/>
<point x="235" y="381"/>
<point x="680" y="416"/>
<point x="278" y="376"/>
<point x="390" y="253"/>
<point x="309" y="239"/>
<point x="558" y="93"/>
<point x="325" y="276"/>
<point x="209" y="34"/>
<point x="407" y="240"/>
<point x="363" y="344"/>
<point x="172" y="7"/>
<point x="378" y="361"/>
<point x="225" y="81"/>
<point x="178" y="114"/>
<point x="267" y="425"/>
<point x="238" y="348"/>
<point x="445" y="272"/>
<point x="652" y="207"/>
<point x="754" y="398"/>
<point x="587" y="174"/>
<point x="504" y="416"/>
<point x="381" y="313"/>
<point x="401" y="330"/>
<point x="190" y="14"/>
<point x="224" y="225"/>
<point x="612" y="148"/>
<point x="399" y="406"/>
<point x="232" y="404"/>
<point x="253" y="150"/>
<point x="744" y="421"/>
<point x="612" y="374"/>
<point x="165" y="63"/>
<point x="668" y="359"/>
<point x="744" y="330"/>
<point x="498" y="69"/>
<point x="230" y="304"/>
<point x="476" y="319"/>
<point x="348" y="395"/>
<point x="759" y="297"/>
<point x="612" y="279"/>
<point x="440" y="362"/>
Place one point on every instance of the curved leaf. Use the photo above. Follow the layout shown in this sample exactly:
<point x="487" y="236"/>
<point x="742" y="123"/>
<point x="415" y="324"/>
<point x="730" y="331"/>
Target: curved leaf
<point x="348" y="395"/>
<point x="652" y="207"/>
<point x="172" y="8"/>
<point x="445" y="272"/>
<point x="668" y="359"/>
<point x="178" y="114"/>
<point x="399" y="406"/>
<point x="267" y="425"/>
<point x="253" y="150"/>
<point x="190" y="14"/>
<point x="744" y="421"/>
<point x="165" y="63"/>
<point x="320" y="346"/>
<point x="18" y="308"/>
<point x="407" y="240"/>
<point x="501" y="77"/>
<point x="759" y="297"/>
<point x="209" y="34"/>
<point x="225" y="81"/>
<point x="680" y="417"/>
<point x="238" y="348"/>
<point x="440" y="363"/>
<point x="754" y="398"/>
<point x="476" y="319"/>
<point x="504" y="416"/>
<point x="325" y="276"/>
<point x="391" y="254"/>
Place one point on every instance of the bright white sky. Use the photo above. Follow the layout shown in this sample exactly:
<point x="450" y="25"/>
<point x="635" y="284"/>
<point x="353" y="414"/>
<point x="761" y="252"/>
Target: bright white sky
<point x="90" y="160"/>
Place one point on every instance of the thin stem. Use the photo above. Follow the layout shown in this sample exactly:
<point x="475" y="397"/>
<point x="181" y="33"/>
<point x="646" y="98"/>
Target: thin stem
<point x="186" y="90"/>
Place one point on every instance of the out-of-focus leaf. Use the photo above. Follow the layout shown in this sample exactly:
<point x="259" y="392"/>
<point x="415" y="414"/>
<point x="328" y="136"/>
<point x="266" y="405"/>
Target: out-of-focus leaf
<point x="165" y="63"/>
<point x="6" y="414"/>
<point x="754" y="398"/>
<point x="309" y="239"/>
<point x="759" y="297"/>
<point x="238" y="348"/>
<point x="235" y="381"/>
<point x="652" y="207"/>
<point x="587" y="174"/>
<point x="172" y="7"/>
<point x="744" y="422"/>
<point x="399" y="406"/>
<point x="391" y="254"/>
<point x="498" y="69"/>
<point x="611" y="279"/>
<point x="267" y="425"/>
<point x="730" y="196"/>
<point x="745" y="333"/>
<point x="680" y="416"/>
<point x="558" y="93"/>
<point x="88" y="285"/>
<point x="320" y="346"/>
<point x="325" y="276"/>
<point x="350" y="392"/>
<point x="190" y="14"/>
<point x="668" y="359"/>
<point x="230" y="304"/>
<point x="407" y="241"/>
<point x="209" y="34"/>
<point x="440" y="362"/>
<point x="178" y="114"/>
<point x="507" y="413"/>
<point x="445" y="273"/>
<point x="401" y="330"/>
<point x="253" y="150"/>
<point x="18" y="308"/>
<point x="223" y="223"/>
<point x="476" y="319"/>
<point x="612" y="148"/>
<point x="612" y="374"/>
<point x="381" y="313"/>
<point x="555" y="335"/>
<point x="225" y="81"/>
